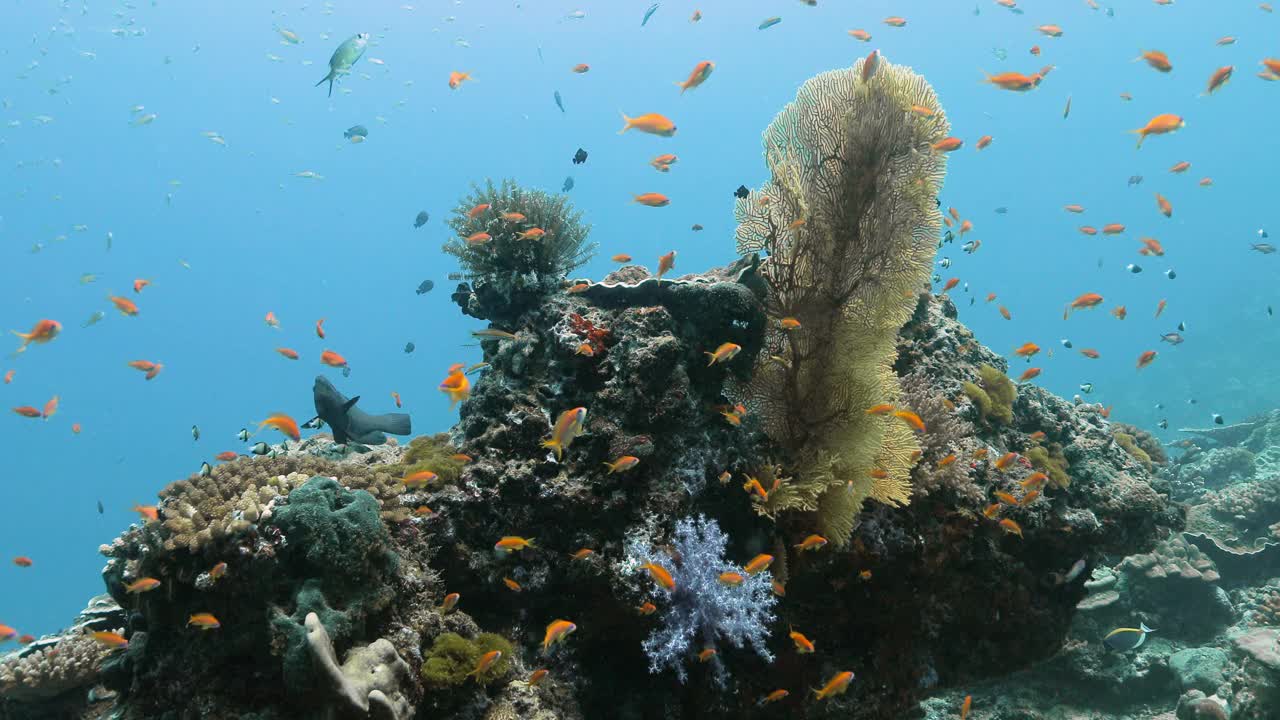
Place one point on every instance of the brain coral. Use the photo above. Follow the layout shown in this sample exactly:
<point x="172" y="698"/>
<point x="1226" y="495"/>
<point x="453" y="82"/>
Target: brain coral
<point x="849" y="222"/>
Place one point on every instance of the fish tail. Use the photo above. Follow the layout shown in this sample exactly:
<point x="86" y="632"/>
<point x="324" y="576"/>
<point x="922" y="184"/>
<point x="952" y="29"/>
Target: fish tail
<point x="330" y="78"/>
<point x="554" y="445"/>
<point x="626" y="122"/>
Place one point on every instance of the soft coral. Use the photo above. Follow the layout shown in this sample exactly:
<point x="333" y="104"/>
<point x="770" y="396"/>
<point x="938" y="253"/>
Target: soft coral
<point x="589" y="332"/>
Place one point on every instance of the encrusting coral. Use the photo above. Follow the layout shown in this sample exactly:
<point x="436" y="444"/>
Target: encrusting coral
<point x="49" y="671"/>
<point x="1050" y="461"/>
<point x="849" y="220"/>
<point x="434" y="453"/>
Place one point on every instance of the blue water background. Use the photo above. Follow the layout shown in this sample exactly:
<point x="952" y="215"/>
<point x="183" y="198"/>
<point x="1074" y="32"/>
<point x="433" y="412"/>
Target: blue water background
<point x="259" y="239"/>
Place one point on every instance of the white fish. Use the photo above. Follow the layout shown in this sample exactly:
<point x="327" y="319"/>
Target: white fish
<point x="289" y="37"/>
<point x="377" y="61"/>
<point x="274" y="58"/>
<point x="145" y="120"/>
<point x="309" y="174"/>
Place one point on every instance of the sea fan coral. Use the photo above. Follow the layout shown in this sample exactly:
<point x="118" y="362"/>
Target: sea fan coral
<point x="702" y="608"/>
<point x="849" y="221"/>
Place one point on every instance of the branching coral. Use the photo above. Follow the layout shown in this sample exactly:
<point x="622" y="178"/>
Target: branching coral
<point x="850" y="162"/>
<point x="72" y="663"/>
<point x="702" y="607"/>
<point x="993" y="394"/>
<point x="1050" y="461"/>
<point x="513" y="257"/>
<point x="946" y="432"/>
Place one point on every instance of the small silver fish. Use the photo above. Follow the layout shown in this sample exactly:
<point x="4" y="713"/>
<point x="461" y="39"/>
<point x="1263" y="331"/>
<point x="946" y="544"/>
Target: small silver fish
<point x="94" y="319"/>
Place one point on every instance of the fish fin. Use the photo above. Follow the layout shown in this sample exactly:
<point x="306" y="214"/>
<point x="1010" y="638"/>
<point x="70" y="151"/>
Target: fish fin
<point x="346" y="406"/>
<point x="626" y="122"/>
<point x="328" y="77"/>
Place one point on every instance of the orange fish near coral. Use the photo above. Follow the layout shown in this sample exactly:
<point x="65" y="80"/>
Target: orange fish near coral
<point x="1014" y="81"/>
<point x="911" y="419"/>
<point x="813" y="542"/>
<point x="456" y="385"/>
<point x="1146" y="358"/>
<point x="512" y="585"/>
<point x="881" y="409"/>
<point x="333" y="359"/>
<point x="50" y="408"/>
<point x="113" y="640"/>
<point x="124" y="305"/>
<point x="666" y="263"/>
<point x="758" y="563"/>
<point x="869" y="65"/>
<point x="724" y="353"/>
<point x="948" y="144"/>
<point x="1006" y="460"/>
<point x="1029" y="374"/>
<point x="951" y="284"/>
<point x="141" y="585"/>
<point x="860" y="35"/>
<point x="226" y="456"/>
<point x="396" y="397"/>
<point x="1166" y="207"/>
<point x="43" y="332"/>
<point x="535" y="233"/>
<point x="773" y="697"/>
<point x="568" y="427"/>
<point x="622" y="464"/>
<point x="660" y="575"/>
<point x="1027" y="350"/>
<point x="139" y="284"/>
<point x="149" y="512"/>
<point x="512" y="543"/>
<point x="1011" y="527"/>
<point x="1050" y="30"/>
<point x="983" y="142"/>
<point x="895" y="21"/>
<point x="285" y="424"/>
<point x="8" y="377"/>
<point x="419" y="479"/>
<point x="486" y="661"/>
<point x="966" y="706"/>
<point x="1086" y="301"/>
<point x="731" y="579"/>
<point x="652" y="199"/>
<point x="804" y="645"/>
<point x="1156" y="59"/>
<point x="1219" y="78"/>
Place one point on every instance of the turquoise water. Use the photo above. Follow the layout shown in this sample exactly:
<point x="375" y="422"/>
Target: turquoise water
<point x="257" y="238"/>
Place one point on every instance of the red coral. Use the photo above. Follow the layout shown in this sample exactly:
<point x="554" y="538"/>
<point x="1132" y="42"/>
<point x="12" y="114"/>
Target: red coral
<point x="589" y="332"/>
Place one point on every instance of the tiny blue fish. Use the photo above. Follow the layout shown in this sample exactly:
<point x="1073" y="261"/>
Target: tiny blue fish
<point x="769" y="22"/>
<point x="559" y="102"/>
<point x="649" y="13"/>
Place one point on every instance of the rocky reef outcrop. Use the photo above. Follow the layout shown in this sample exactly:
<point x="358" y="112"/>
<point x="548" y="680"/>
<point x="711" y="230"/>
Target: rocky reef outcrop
<point x="680" y="497"/>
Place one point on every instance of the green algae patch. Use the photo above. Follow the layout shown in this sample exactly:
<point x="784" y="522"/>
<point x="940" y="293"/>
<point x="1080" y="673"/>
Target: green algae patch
<point x="453" y="659"/>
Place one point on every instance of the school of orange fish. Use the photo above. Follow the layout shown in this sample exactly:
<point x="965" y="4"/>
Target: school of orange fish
<point x="456" y="385"/>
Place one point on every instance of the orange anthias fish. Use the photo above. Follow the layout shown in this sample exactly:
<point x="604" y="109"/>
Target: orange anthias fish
<point x="476" y="211"/>
<point x="1156" y="59"/>
<point x="1004" y="313"/>
<point x="652" y="199"/>
<point x="1219" y="78"/>
<point x="26" y="562"/>
<point x="50" y="408"/>
<point x="774" y="696"/>
<point x="1120" y="312"/>
<point x="622" y="464"/>
<point x="1152" y="246"/>
<point x="1029" y="374"/>
<point x="1180" y="167"/>
<point x="1086" y="301"/>
<point x="124" y="305"/>
<point x="27" y="411"/>
<point x="396" y="397"/>
<point x="1160" y="306"/>
<point x="288" y="352"/>
<point x="983" y="142"/>
<point x="860" y="34"/>
<point x="621" y="258"/>
<point x="486" y="661"/>
<point x="724" y="353"/>
<point x="113" y="640"/>
<point x="457" y="78"/>
<point x="537" y="676"/>
<point x="141" y="585"/>
<point x="534" y="233"/>
<point x="320" y="328"/>
<point x="1006" y="498"/>
<point x="869" y="65"/>
<point x="271" y="321"/>
<point x="1011" y="527"/>
<point x="965" y="707"/>
<point x="666" y="263"/>
<point x="663" y="162"/>
<point x="1027" y="350"/>
<point x="512" y="543"/>
<point x="1006" y="460"/>
<point x="951" y="284"/>
<point x="1090" y="353"/>
<point x="8" y="377"/>
<point x="1146" y="358"/>
<point x="568" y="427"/>
<point x="804" y="645"/>
<point x="660" y="575"/>
<point x="204" y="621"/>
<point x="419" y="479"/>
<point x="813" y="542"/>
<point x="731" y="579"/>
<point x="226" y="456"/>
<point x="1166" y="207"/>
<point x="836" y="685"/>
<point x="948" y="144"/>
<point x="582" y="554"/>
<point x="1159" y="125"/>
<point x="285" y="424"/>
<point x="7" y="633"/>
<point x="43" y="332"/>
<point x="758" y="563"/>
<point x="753" y="485"/>
<point x="1050" y="30"/>
<point x="895" y="21"/>
<point x="1034" y="480"/>
<point x="700" y="73"/>
<point x="647" y="609"/>
<point x="581" y="68"/>
<point x="150" y="512"/>
<point x="789" y="323"/>
<point x="651" y="123"/>
<point x="911" y="419"/>
<point x="456" y="385"/>
<point x="1112" y="229"/>
<point x="1014" y="81"/>
<point x="706" y="654"/>
<point x="881" y="409"/>
<point x="333" y="359"/>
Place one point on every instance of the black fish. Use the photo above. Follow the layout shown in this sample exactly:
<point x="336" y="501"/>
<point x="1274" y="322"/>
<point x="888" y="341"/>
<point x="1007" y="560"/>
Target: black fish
<point x="568" y="184"/>
<point x="356" y="131"/>
<point x="350" y="423"/>
<point x="101" y="510"/>
<point x="742" y="192"/>
<point x="425" y="287"/>
<point x="580" y="157"/>
<point x="1002" y="210"/>
<point x="421" y="220"/>
<point x="409" y="347"/>
<point x="696" y="227"/>
<point x="1135" y="180"/>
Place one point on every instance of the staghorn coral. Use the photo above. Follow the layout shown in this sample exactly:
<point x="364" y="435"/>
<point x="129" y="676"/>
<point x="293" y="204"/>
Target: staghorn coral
<point x="701" y="608"/>
<point x="453" y="658"/>
<point x="1050" y="461"/>
<point x="847" y="160"/>
<point x="993" y="395"/>
<point x="370" y="683"/>
<point x="73" y="662"/>
<point x="508" y="266"/>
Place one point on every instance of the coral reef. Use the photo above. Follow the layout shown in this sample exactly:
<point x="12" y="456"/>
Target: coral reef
<point x="515" y="245"/>
<point x="992" y="395"/>
<point x="702" y="607"/>
<point x="370" y="683"/>
<point x="453" y="659"/>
